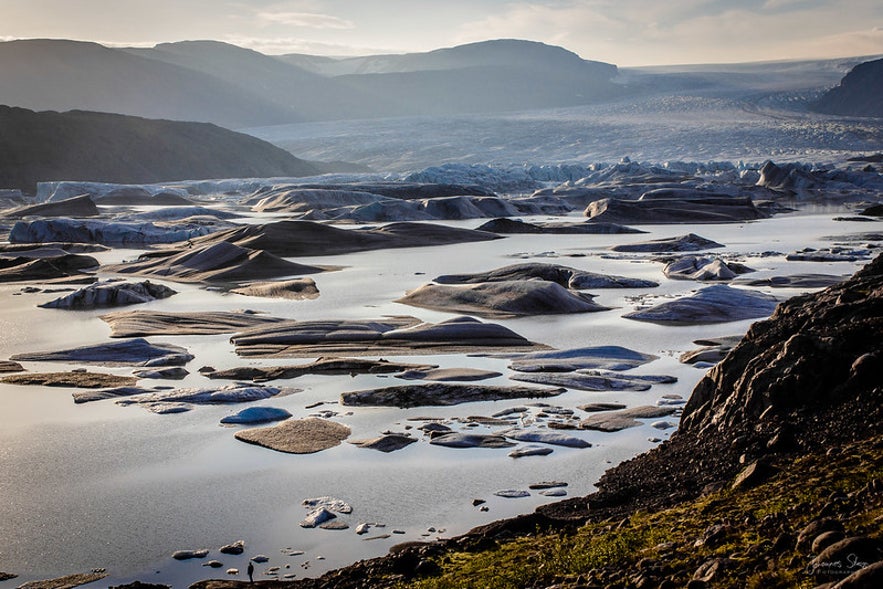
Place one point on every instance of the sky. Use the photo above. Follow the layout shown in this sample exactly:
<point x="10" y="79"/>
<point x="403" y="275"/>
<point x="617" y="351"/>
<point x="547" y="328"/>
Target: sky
<point x="623" y="32"/>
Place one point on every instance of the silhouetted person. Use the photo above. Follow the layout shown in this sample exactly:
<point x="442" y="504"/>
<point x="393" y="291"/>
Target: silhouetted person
<point x="250" y="571"/>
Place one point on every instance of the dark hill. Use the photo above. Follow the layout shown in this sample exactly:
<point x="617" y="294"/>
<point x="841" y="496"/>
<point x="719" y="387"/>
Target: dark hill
<point x="77" y="145"/>
<point x="860" y="93"/>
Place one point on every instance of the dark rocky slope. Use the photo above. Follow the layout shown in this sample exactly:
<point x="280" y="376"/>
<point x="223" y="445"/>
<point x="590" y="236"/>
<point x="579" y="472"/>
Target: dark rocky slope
<point x="78" y="145"/>
<point x="860" y="93"/>
<point x="800" y="396"/>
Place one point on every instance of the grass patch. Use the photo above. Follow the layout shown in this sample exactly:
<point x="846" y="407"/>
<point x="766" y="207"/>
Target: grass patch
<point x="758" y="542"/>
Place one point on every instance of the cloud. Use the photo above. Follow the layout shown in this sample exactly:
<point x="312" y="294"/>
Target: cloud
<point x="644" y="32"/>
<point x="309" y="20"/>
<point x="283" y="45"/>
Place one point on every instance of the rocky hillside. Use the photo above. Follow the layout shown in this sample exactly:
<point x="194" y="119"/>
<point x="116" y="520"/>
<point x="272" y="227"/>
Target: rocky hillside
<point x="775" y="479"/>
<point x="77" y="145"/>
<point x="860" y="93"/>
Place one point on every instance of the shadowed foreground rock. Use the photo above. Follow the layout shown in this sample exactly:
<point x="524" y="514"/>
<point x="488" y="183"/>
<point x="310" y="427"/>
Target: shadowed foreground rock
<point x="297" y="436"/>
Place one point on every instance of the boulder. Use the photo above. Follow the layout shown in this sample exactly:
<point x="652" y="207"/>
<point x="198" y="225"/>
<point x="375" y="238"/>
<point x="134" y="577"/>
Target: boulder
<point x="439" y="394"/>
<point x="297" y="436"/>
<point x="77" y="207"/>
<point x="317" y="517"/>
<point x="449" y="374"/>
<point x="713" y="304"/>
<point x="792" y="281"/>
<point x="138" y="352"/>
<point x="593" y="380"/>
<point x="565" y="276"/>
<point x="553" y="438"/>
<point x="296" y="289"/>
<point x="389" y="335"/>
<point x="614" y="421"/>
<point x="171" y="373"/>
<point x="331" y="503"/>
<point x="502" y="299"/>
<point x="682" y="243"/>
<point x="703" y="268"/>
<point x="10" y="366"/>
<point x="530" y="450"/>
<point x="386" y="442"/>
<point x="110" y="294"/>
<point x="80" y="380"/>
<point x="517" y="226"/>
<point x="459" y="440"/>
<point x="328" y="366"/>
<point x="214" y="262"/>
<point x="102" y="232"/>
<point x="663" y="211"/>
<point x="594" y="357"/>
<point x="253" y="415"/>
<point x="307" y="238"/>
<point x="41" y="264"/>
<point x="113" y="393"/>
<point x="289" y="199"/>
<point x="597" y="407"/>
<point x="145" y="323"/>
<point x="206" y="396"/>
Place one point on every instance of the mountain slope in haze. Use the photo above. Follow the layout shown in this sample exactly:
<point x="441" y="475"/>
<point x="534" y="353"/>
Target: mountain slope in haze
<point x="77" y="145"/>
<point x="43" y="74"/>
<point x="497" y="53"/>
<point x="216" y="82"/>
<point x="860" y="93"/>
<point x="489" y="76"/>
<point x="291" y="88"/>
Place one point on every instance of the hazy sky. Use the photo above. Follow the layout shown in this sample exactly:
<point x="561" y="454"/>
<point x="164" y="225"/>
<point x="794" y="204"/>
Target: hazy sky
<point x="624" y="32"/>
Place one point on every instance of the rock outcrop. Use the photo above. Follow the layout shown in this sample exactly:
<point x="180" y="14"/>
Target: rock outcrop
<point x="858" y="94"/>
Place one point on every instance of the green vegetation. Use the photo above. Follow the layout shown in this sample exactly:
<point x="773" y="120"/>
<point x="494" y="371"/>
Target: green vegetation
<point x="756" y="538"/>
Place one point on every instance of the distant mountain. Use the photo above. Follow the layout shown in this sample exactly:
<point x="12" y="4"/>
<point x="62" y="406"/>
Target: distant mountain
<point x="46" y="74"/>
<point x="860" y="93"/>
<point x="486" y="77"/>
<point x="209" y="81"/>
<point x="78" y="145"/>
<point x="303" y="94"/>
<point x="504" y="53"/>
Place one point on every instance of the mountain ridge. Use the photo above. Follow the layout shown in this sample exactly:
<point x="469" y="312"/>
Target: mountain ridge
<point x="104" y="147"/>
